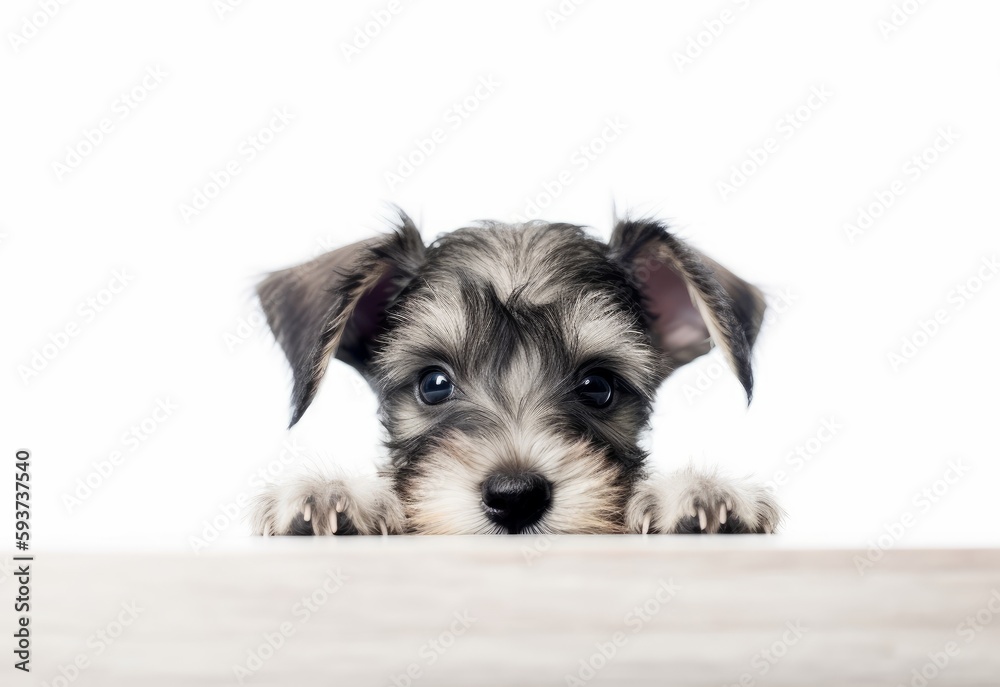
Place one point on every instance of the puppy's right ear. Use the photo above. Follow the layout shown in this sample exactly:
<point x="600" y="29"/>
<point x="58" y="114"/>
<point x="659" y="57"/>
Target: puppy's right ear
<point x="335" y="304"/>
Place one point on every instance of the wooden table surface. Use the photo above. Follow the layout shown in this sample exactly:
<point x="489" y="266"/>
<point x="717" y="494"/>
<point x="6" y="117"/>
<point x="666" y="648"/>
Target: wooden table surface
<point x="507" y="611"/>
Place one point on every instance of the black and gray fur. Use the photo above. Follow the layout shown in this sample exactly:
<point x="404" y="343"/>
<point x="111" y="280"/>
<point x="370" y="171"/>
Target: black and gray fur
<point x="516" y="317"/>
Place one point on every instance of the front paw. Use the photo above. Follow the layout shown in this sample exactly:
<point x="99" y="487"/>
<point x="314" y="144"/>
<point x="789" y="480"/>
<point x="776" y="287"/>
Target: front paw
<point x="689" y="502"/>
<point x="315" y="505"/>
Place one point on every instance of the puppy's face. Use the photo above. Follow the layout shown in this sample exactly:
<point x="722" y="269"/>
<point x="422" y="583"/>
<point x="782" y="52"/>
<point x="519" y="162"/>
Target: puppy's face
<point x="515" y="377"/>
<point x="515" y="366"/>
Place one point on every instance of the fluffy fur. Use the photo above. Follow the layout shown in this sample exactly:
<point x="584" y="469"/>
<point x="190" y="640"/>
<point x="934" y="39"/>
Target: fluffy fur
<point x="516" y="316"/>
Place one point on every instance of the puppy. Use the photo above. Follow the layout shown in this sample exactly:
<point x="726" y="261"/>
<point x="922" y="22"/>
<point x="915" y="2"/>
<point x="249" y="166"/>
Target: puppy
<point x="515" y="368"/>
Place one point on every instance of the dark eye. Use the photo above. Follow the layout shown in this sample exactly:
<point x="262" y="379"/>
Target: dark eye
<point x="435" y="387"/>
<point x="596" y="389"/>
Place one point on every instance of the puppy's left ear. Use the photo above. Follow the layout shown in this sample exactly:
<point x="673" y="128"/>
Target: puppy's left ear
<point x="335" y="305"/>
<point x="690" y="300"/>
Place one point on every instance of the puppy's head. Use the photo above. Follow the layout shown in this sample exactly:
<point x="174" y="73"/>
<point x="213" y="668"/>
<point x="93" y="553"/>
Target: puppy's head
<point x="515" y="365"/>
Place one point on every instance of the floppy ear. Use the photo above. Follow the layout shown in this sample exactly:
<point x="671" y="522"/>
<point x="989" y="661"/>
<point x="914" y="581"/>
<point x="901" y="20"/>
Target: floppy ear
<point x="334" y="305"/>
<point x="690" y="300"/>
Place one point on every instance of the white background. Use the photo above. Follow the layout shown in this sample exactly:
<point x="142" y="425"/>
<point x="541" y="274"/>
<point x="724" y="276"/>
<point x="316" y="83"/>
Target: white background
<point x="184" y="329"/>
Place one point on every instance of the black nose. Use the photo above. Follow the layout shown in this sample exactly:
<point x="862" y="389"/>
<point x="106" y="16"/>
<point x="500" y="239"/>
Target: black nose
<point x="516" y="501"/>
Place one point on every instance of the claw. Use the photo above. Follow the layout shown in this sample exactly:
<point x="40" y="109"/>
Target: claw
<point x="385" y="530"/>
<point x="333" y="523"/>
<point x="645" y="524"/>
<point x="341" y="506"/>
<point x="307" y="512"/>
<point x="722" y="514"/>
<point x="729" y="504"/>
<point x="702" y="518"/>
